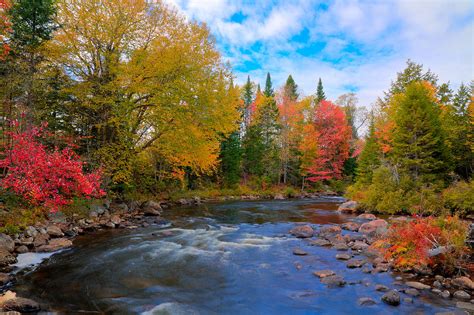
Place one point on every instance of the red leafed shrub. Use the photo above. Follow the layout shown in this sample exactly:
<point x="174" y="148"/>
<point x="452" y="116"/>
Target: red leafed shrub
<point x="408" y="244"/>
<point x="44" y="177"/>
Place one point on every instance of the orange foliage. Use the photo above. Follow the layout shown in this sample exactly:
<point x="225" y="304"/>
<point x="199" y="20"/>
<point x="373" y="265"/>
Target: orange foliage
<point x="5" y="28"/>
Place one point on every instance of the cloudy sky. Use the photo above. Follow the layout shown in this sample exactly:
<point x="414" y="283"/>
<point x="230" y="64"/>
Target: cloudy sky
<point x="352" y="45"/>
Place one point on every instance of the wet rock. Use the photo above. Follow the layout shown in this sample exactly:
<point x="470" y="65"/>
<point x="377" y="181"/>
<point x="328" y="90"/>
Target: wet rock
<point x="463" y="282"/>
<point x="298" y="266"/>
<point x="341" y="246"/>
<point x="417" y="285"/>
<point x="302" y="231"/>
<point x="70" y="233"/>
<point x="299" y="252"/>
<point x="6" y="258"/>
<point x="381" y="268"/>
<point x="378" y="226"/>
<point x="445" y="294"/>
<point x="408" y="300"/>
<point x="30" y="231"/>
<point x="6" y="242"/>
<point x="366" y="269"/>
<point x="324" y="273"/>
<point x="391" y="298"/>
<point x="320" y="242"/>
<point x="412" y="292"/>
<point x="436" y="291"/>
<point x="356" y="263"/>
<point x="365" y="301"/>
<point x="437" y="284"/>
<point x="333" y="281"/>
<point x="462" y="295"/>
<point x="54" y="231"/>
<point x="41" y="239"/>
<point x="367" y="216"/>
<point x="349" y="207"/>
<point x="343" y="256"/>
<point x="21" y="249"/>
<point x="54" y="245"/>
<point x="350" y="226"/>
<point x="4" y="278"/>
<point x="21" y="305"/>
<point x="469" y="307"/>
<point x="110" y="225"/>
<point x="381" y="288"/>
<point x="115" y="219"/>
<point x="331" y="229"/>
<point x="359" y="245"/>
<point x="152" y="208"/>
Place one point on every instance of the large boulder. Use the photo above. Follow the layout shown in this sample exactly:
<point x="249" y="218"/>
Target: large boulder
<point x="7" y="242"/>
<point x="54" y="231"/>
<point x="6" y="258"/>
<point x="348" y="207"/>
<point x="391" y="298"/>
<point x="463" y="282"/>
<point x="54" y="245"/>
<point x="41" y="239"/>
<point x="374" y="227"/>
<point x="151" y="208"/>
<point x="302" y="231"/>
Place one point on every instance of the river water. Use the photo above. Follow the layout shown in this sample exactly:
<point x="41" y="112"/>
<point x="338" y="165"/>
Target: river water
<point x="223" y="258"/>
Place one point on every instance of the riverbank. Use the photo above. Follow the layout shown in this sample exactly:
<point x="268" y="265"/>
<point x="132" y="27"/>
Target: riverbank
<point x="352" y="239"/>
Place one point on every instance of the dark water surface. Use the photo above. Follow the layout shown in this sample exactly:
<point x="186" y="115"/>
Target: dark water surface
<point x="225" y="258"/>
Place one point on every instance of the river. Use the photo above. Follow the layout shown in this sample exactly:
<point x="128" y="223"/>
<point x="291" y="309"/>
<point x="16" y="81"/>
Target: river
<point x="223" y="258"/>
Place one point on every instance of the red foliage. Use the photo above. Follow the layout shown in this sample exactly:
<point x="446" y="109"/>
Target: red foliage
<point x="5" y="28"/>
<point x="48" y="178"/>
<point x="333" y="137"/>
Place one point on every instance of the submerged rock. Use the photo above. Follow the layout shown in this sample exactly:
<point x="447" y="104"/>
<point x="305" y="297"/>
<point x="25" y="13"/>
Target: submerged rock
<point x="299" y="252"/>
<point x="302" y="231"/>
<point x="333" y="281"/>
<point x="391" y="298"/>
<point x="381" y="288"/>
<point x="365" y="301"/>
<point x="324" y="273"/>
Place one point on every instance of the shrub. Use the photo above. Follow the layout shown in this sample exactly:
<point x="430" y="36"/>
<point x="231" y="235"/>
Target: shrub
<point x="44" y="177"/>
<point x="409" y="243"/>
<point x="459" y="198"/>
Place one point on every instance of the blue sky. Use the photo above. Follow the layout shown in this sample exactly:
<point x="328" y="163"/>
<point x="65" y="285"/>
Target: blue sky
<point x="354" y="46"/>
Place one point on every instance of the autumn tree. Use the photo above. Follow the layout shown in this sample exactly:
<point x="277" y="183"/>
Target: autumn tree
<point x="5" y="28"/>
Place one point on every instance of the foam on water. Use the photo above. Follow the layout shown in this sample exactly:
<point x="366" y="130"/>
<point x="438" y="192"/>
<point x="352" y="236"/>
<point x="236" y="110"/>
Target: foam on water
<point x="30" y="260"/>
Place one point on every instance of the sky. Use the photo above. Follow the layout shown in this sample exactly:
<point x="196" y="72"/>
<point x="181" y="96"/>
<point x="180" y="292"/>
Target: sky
<point x="353" y="46"/>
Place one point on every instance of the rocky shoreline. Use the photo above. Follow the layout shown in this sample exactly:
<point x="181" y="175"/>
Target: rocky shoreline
<point x="352" y="241"/>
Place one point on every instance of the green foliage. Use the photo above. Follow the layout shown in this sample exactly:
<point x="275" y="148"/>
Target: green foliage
<point x="231" y="158"/>
<point x="268" y="92"/>
<point x="320" y="95"/>
<point x="369" y="158"/>
<point x="459" y="198"/>
<point x="291" y="89"/>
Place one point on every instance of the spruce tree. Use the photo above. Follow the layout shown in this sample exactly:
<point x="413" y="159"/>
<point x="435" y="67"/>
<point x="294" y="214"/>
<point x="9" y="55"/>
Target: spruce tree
<point x="247" y="97"/>
<point x="369" y="158"/>
<point x="231" y="158"/>
<point x="418" y="140"/>
<point x="320" y="95"/>
<point x="268" y="87"/>
<point x="291" y="89"/>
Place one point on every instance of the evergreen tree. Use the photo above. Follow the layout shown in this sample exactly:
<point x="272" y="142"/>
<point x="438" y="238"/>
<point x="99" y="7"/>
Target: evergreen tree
<point x="418" y="140"/>
<point x="247" y="97"/>
<point x="320" y="95"/>
<point x="268" y="87"/>
<point x="445" y="94"/>
<point x="369" y="158"/>
<point x="291" y="89"/>
<point x="231" y="158"/>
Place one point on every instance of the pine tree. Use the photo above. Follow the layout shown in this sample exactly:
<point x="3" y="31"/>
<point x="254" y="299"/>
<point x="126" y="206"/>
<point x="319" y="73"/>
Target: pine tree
<point x="320" y="95"/>
<point x="247" y="97"/>
<point x="268" y="87"/>
<point x="291" y="89"/>
<point x="369" y="158"/>
<point x="418" y="140"/>
<point x="231" y="158"/>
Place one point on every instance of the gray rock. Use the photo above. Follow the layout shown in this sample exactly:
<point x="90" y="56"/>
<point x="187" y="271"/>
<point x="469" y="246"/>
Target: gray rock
<point x="41" y="239"/>
<point x="349" y="206"/>
<point x="445" y="294"/>
<point x="320" y="242"/>
<point x="391" y="298"/>
<point x="381" y="288"/>
<point x="302" y="231"/>
<point x="417" y="285"/>
<point x="466" y="306"/>
<point x="367" y="216"/>
<point x="356" y="263"/>
<point x="330" y="229"/>
<point x="343" y="256"/>
<point x="299" y="252"/>
<point x="408" y="300"/>
<point x="21" y="249"/>
<point x="359" y="245"/>
<point x="54" y="231"/>
<point x="412" y="292"/>
<point x="115" y="219"/>
<point x="341" y="246"/>
<point x="437" y="284"/>
<point x="374" y="227"/>
<point x="7" y="242"/>
<point x="365" y="301"/>
<point x="462" y="295"/>
<point x="324" y="273"/>
<point x="333" y="281"/>
<point x="30" y="231"/>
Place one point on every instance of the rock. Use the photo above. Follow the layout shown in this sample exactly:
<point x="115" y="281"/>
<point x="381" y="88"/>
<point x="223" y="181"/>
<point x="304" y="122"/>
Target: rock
<point x="110" y="225"/>
<point x="115" y="219"/>
<point x="30" y="231"/>
<point x="381" y="268"/>
<point x="355" y="263"/>
<point x="299" y="252"/>
<point x="350" y="226"/>
<point x="417" y="285"/>
<point x="7" y="242"/>
<point x="279" y="197"/>
<point x="378" y="226"/>
<point x="320" y="242"/>
<point x="54" y="231"/>
<point x="341" y="246"/>
<point x="98" y="209"/>
<point x="21" y="305"/>
<point x="365" y="301"/>
<point x="463" y="282"/>
<point x="349" y="206"/>
<point x="381" y="288"/>
<point x="54" y="245"/>
<point x="119" y="208"/>
<point x="183" y="202"/>
<point x="302" y="231"/>
<point x="343" y="256"/>
<point x="367" y="216"/>
<point x="333" y="281"/>
<point x="366" y="269"/>
<point x="412" y="292"/>
<point x="445" y="294"/>
<point x="21" y="249"/>
<point x="6" y="258"/>
<point x="4" y="278"/>
<point x="41" y="239"/>
<point x="462" y="295"/>
<point x="330" y="229"/>
<point x="391" y="298"/>
<point x="152" y="208"/>
<point x="437" y="284"/>
<point x="408" y="300"/>
<point x="359" y="245"/>
<point x="466" y="306"/>
<point x="324" y="273"/>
